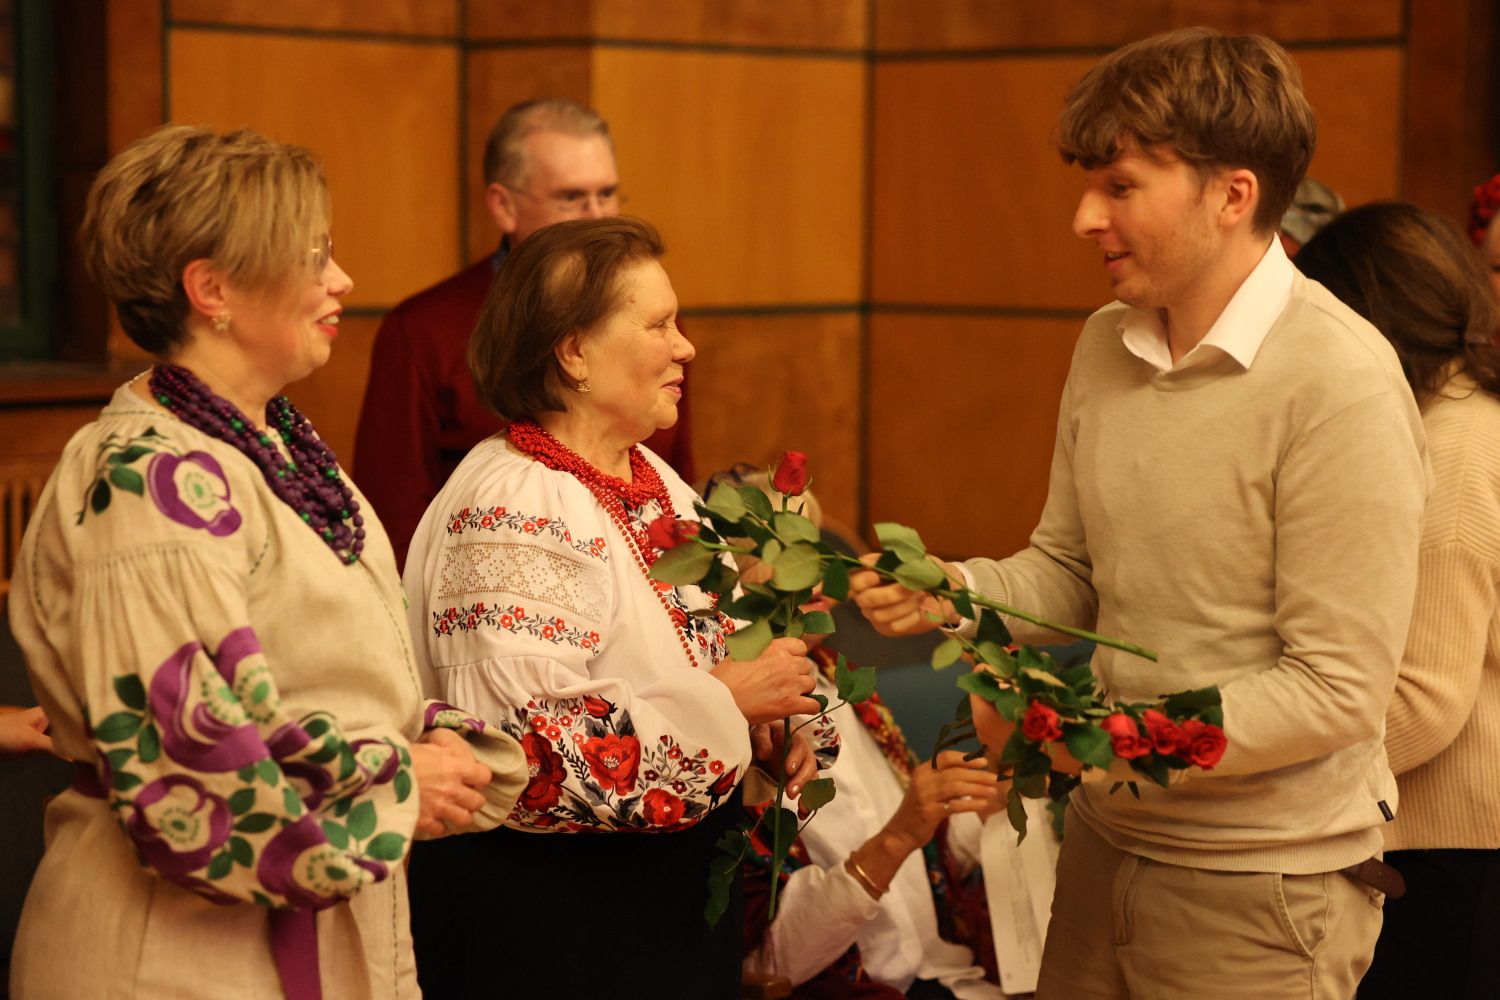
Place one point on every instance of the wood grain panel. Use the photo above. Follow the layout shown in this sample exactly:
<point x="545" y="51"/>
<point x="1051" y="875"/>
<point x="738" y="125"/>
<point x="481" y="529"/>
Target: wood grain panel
<point x="134" y="40"/>
<point x="497" y="79"/>
<point x="751" y="165"/>
<point x="401" y="17"/>
<point x="762" y="385"/>
<point x="805" y="24"/>
<point x="972" y="205"/>
<point x="956" y="25"/>
<point x="1357" y="95"/>
<point x="382" y="117"/>
<point x="331" y="396"/>
<point x="962" y="416"/>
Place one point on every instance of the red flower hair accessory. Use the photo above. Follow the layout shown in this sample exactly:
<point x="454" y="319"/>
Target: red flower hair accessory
<point x="1482" y="211"/>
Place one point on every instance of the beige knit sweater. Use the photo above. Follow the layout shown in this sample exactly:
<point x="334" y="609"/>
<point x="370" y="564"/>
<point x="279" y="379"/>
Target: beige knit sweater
<point x="1443" y="726"/>
<point x="1259" y="529"/>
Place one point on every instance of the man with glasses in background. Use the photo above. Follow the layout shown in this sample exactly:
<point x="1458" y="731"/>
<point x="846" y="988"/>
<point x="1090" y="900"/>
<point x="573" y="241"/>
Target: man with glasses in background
<point x="545" y="161"/>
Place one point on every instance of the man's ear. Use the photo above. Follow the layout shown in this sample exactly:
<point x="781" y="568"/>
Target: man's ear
<point x="1241" y="196"/>
<point x="204" y="287"/>
<point x="502" y="205"/>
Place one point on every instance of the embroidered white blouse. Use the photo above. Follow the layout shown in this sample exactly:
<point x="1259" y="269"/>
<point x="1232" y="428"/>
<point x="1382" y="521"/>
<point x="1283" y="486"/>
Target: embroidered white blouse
<point x="528" y="606"/>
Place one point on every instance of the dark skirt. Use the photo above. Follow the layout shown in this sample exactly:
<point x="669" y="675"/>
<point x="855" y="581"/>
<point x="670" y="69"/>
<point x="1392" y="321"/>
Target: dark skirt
<point x="512" y="916"/>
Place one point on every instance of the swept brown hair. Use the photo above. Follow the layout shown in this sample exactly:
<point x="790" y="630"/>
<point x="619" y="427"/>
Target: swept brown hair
<point x="1414" y="276"/>
<point x="562" y="278"/>
<point x="1215" y="100"/>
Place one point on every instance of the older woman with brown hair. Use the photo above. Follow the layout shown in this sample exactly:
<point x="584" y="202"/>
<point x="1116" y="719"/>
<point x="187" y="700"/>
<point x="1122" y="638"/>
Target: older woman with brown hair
<point x="533" y="605"/>
<point x="215" y="629"/>
<point x="1410" y="274"/>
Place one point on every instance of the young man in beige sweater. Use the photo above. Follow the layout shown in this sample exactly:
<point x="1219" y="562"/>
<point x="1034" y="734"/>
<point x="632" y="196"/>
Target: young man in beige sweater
<point x="1237" y="482"/>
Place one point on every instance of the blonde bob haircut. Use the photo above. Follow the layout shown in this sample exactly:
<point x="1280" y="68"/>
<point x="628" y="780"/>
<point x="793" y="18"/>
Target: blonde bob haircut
<point x="251" y="206"/>
<point x="1214" y="100"/>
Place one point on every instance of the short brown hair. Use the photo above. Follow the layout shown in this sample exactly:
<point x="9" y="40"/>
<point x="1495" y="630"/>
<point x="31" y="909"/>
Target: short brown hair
<point x="504" y="150"/>
<point x="249" y="204"/>
<point x="1215" y="100"/>
<point x="1414" y="276"/>
<point x="563" y="278"/>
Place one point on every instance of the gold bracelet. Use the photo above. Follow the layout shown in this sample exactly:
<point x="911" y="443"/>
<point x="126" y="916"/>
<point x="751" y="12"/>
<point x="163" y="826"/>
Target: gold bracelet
<point x="863" y="878"/>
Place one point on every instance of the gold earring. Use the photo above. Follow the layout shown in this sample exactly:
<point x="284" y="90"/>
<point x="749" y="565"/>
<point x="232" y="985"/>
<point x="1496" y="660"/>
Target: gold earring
<point x="584" y="385"/>
<point x="221" y="322"/>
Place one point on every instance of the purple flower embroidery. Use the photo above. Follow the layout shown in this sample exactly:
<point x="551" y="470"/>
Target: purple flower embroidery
<point x="312" y="780"/>
<point x="177" y="824"/>
<point x="300" y="865"/>
<point x="441" y="715"/>
<point x="192" y="490"/>
<point x="210" y="743"/>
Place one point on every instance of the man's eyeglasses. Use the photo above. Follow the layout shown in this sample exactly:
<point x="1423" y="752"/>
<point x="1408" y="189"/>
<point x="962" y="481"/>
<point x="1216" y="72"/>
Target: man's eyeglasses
<point x="573" y="204"/>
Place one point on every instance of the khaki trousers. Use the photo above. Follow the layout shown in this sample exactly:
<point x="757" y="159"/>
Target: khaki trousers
<point x="1127" y="927"/>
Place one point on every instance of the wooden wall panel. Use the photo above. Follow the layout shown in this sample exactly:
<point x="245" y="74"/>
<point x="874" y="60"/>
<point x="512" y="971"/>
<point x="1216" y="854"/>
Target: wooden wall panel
<point x="956" y="25"/>
<point x="963" y="411"/>
<point x="762" y="385"/>
<point x="751" y="165"/>
<point x="972" y="205"/>
<point x="382" y="117"/>
<point x="134" y="37"/>
<point x="332" y="395"/>
<point x="401" y="17"/>
<point x="1359" y="126"/>
<point x="805" y="24"/>
<point x="496" y="79"/>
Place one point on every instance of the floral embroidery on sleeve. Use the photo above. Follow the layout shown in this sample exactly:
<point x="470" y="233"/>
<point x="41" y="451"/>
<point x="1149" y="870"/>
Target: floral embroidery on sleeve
<point x="513" y="618"/>
<point x="190" y="489"/>
<point x="497" y="518"/>
<point x="220" y="793"/>
<point x="589" y="771"/>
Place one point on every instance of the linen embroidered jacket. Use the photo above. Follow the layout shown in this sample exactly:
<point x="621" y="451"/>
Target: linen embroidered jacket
<point x="240" y="704"/>
<point x="529" y="608"/>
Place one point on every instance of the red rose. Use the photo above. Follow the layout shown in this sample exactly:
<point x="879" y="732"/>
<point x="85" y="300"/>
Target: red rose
<point x="1040" y="723"/>
<point x="790" y="476"/>
<point x="597" y="707"/>
<point x="545" y="766"/>
<point x="1162" y="731"/>
<point x="724" y="785"/>
<point x="661" y="807"/>
<point x="1125" y="733"/>
<point x="669" y="532"/>
<point x="1201" y="743"/>
<point x="613" y="761"/>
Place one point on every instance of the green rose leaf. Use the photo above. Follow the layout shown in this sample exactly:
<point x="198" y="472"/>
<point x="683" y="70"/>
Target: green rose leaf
<point x="255" y="823"/>
<point x="336" y="834"/>
<point x="362" y="820"/>
<point x="119" y="758"/>
<point x="726" y="502"/>
<point x="757" y="502"/>
<point x="836" y="580"/>
<point x="798" y="568"/>
<point x="947" y="653"/>
<point x="127" y="479"/>
<point x="794" y="628"/>
<point x="963" y="605"/>
<point x="721" y="880"/>
<point x="1046" y="677"/>
<point x="992" y="629"/>
<point x="818" y="623"/>
<point x="125" y="781"/>
<point x="1015" y="811"/>
<point x="771" y="551"/>
<point x="220" y="866"/>
<point x="118" y="726"/>
<point x="129" y="455"/>
<point x="1154" y="768"/>
<point x="149" y="743"/>
<point x="292" y="801"/>
<point x="402" y="784"/>
<point x="901" y="540"/>
<point x="920" y="574"/>
<point x="795" y="528"/>
<point x="821" y="699"/>
<point x="341" y="807"/>
<point x="130" y="690"/>
<point x="1189" y="703"/>
<point x="316" y="726"/>
<point x="242" y="801"/>
<point x="686" y="564"/>
<point x="99" y="497"/>
<point x="241" y="852"/>
<point x="817" y="793"/>
<point x="269" y="772"/>
<point x="1089" y="743"/>
<point x="748" y="643"/>
<point x="856" y="685"/>
<point x="386" y="847"/>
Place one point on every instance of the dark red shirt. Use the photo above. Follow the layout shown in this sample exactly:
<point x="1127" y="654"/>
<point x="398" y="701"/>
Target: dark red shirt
<point x="421" y="414"/>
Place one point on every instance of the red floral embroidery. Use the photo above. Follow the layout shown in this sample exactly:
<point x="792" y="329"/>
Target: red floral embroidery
<point x="613" y="761"/>
<point x="662" y="808"/>
<point x="547" y="771"/>
<point x="496" y="518"/>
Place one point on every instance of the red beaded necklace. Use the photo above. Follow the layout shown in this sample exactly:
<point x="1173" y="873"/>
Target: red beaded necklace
<point x="613" y="494"/>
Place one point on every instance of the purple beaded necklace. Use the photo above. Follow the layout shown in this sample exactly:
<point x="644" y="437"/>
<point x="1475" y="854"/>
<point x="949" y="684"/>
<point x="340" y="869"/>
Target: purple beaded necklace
<point x="310" y="483"/>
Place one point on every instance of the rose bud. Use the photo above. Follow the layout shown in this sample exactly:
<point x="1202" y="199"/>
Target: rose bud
<point x="790" y="476"/>
<point x="1163" y="731"/>
<point x="669" y="532"/>
<point x="1041" y="723"/>
<point x="1125" y="734"/>
<point x="597" y="707"/>
<point x="1201" y="743"/>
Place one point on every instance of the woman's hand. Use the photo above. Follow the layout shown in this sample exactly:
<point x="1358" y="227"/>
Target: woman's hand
<point x="894" y="610"/>
<point x="448" y="782"/>
<point x="772" y="686"/>
<point x="25" y="731"/>
<point x="954" y="786"/>
<point x="766" y="742"/>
